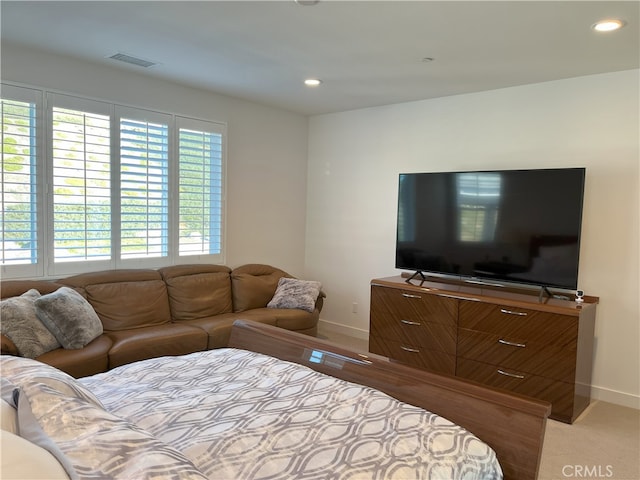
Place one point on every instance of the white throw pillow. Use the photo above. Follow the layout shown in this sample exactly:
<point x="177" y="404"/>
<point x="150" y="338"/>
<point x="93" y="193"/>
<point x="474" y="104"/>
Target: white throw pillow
<point x="22" y="459"/>
<point x="9" y="418"/>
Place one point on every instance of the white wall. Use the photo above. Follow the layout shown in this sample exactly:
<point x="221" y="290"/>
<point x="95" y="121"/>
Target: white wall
<point x="266" y="156"/>
<point x="355" y="158"/>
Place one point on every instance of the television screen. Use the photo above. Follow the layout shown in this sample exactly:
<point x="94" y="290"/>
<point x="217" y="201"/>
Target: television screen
<point x="518" y="226"/>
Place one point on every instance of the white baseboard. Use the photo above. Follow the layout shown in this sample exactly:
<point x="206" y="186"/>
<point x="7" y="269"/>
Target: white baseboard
<point x="327" y="326"/>
<point x="613" y="396"/>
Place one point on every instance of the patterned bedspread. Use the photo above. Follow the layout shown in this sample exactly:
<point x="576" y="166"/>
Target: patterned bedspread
<point x="241" y="415"/>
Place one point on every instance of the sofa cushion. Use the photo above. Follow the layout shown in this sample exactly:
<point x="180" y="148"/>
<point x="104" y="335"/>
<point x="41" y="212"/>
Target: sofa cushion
<point x="254" y="285"/>
<point x="192" y="269"/>
<point x="126" y="298"/>
<point x="218" y="327"/>
<point x="288" y="318"/>
<point x="126" y="305"/>
<point x="15" y="288"/>
<point x="22" y="326"/>
<point x="158" y="341"/>
<point x="93" y="358"/>
<point x="198" y="291"/>
<point x="294" y="293"/>
<point x="69" y="317"/>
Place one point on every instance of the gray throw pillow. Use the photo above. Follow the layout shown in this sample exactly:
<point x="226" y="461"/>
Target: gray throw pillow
<point x="294" y="293"/>
<point x="70" y="318"/>
<point x="21" y="324"/>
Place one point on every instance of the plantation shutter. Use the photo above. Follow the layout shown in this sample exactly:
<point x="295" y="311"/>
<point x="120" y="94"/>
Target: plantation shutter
<point x="200" y="211"/>
<point x="81" y="196"/>
<point x="20" y="112"/>
<point x="144" y="188"/>
<point x="89" y="185"/>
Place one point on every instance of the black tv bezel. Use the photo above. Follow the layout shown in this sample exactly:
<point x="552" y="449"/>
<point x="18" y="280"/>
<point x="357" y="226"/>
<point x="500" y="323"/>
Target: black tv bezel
<point x="435" y="275"/>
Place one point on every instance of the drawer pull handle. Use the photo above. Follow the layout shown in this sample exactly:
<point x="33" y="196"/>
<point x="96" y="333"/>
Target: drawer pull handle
<point x="409" y="322"/>
<point x="408" y="295"/>
<point x="511" y="344"/>
<point x="511" y="312"/>
<point x="407" y="349"/>
<point x="512" y="375"/>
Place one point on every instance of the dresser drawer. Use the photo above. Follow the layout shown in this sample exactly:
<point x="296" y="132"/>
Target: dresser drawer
<point x="559" y="394"/>
<point x="531" y="326"/>
<point x="413" y="355"/>
<point x="414" y="306"/>
<point x="428" y="335"/>
<point x="557" y="362"/>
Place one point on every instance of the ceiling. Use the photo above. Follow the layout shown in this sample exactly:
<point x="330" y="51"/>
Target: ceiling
<point x="367" y="53"/>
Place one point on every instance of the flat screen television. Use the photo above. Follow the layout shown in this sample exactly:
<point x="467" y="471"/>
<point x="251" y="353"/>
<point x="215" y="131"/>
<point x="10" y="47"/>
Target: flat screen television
<point x="520" y="226"/>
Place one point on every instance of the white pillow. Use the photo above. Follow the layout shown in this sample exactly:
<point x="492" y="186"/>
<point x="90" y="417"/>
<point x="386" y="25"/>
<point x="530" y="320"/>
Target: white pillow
<point x="9" y="417"/>
<point x="59" y="414"/>
<point x="22" y="459"/>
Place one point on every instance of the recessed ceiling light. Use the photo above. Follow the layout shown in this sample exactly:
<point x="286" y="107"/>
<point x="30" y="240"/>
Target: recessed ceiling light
<point x="428" y="59"/>
<point x="608" y="25"/>
<point x="307" y="3"/>
<point x="312" y="82"/>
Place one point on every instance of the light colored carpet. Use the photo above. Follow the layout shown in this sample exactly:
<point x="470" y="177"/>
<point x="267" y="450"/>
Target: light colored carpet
<point x="603" y="443"/>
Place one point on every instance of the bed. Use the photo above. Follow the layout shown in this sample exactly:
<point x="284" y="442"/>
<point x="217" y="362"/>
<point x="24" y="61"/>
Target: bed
<point x="274" y="405"/>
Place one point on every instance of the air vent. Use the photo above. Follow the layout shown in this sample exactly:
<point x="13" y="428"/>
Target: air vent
<point x="123" y="57"/>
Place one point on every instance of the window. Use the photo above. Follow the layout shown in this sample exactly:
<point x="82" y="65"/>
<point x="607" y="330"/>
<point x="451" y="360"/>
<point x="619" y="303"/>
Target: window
<point x="144" y="188"/>
<point x="200" y="196"/>
<point x="81" y="194"/>
<point x="121" y="193"/>
<point x="19" y="190"/>
<point x="18" y="182"/>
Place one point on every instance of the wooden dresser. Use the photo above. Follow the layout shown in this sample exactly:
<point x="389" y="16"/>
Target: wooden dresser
<point x="540" y="347"/>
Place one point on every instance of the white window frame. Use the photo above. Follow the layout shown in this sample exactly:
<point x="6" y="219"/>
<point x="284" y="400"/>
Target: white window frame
<point x="209" y="127"/>
<point x="85" y="105"/>
<point x="152" y="117"/>
<point x="29" y="95"/>
<point x="46" y="267"/>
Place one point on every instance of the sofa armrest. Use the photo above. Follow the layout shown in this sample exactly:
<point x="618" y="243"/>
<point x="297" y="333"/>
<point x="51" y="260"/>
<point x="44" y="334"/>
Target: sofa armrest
<point x="7" y="347"/>
<point x="320" y="301"/>
<point x="253" y="285"/>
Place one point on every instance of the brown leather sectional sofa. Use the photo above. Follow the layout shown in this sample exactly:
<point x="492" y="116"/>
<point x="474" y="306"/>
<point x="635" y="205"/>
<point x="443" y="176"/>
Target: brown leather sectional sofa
<point x="174" y="310"/>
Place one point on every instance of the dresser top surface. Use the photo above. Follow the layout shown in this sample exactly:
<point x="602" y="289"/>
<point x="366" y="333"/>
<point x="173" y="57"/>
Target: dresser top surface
<point x="489" y="294"/>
